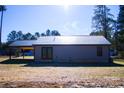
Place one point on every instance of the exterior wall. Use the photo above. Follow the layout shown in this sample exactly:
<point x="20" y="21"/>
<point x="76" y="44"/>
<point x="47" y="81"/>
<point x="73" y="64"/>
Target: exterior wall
<point x="37" y="54"/>
<point x="75" y="54"/>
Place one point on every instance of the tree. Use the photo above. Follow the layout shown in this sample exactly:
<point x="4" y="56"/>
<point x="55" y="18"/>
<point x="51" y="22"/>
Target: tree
<point x="51" y="33"/>
<point x="55" y="33"/>
<point x="43" y="34"/>
<point x="12" y="36"/>
<point x="27" y="36"/>
<point x="94" y="33"/>
<point x="120" y="27"/>
<point x="48" y="33"/>
<point x="102" y="21"/>
<point x="37" y="35"/>
<point x="20" y="35"/>
<point x="33" y="37"/>
<point x="4" y="46"/>
<point x="114" y="40"/>
<point x="2" y="9"/>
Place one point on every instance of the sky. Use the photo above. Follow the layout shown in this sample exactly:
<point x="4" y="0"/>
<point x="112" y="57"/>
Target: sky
<point x="68" y="20"/>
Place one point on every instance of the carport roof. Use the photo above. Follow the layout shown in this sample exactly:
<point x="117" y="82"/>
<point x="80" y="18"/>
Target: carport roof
<point x="64" y="40"/>
<point x="23" y="43"/>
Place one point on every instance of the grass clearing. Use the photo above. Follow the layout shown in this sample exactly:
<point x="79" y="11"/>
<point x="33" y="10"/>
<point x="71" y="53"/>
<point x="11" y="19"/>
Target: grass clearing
<point x="15" y="72"/>
<point x="119" y="61"/>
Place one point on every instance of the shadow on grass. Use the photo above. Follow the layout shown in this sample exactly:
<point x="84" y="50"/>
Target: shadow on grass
<point x="31" y="63"/>
<point x="17" y="61"/>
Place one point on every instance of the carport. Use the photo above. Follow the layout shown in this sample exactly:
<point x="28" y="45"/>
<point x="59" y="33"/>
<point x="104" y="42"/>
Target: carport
<point x="21" y="46"/>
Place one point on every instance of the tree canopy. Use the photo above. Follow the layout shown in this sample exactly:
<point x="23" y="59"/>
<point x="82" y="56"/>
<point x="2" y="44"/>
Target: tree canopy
<point x="102" y="22"/>
<point x="19" y="35"/>
<point x="51" y="33"/>
<point x="120" y="28"/>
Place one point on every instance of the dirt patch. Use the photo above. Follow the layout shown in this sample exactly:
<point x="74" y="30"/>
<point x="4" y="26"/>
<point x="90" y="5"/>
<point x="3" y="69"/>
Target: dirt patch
<point x="15" y="74"/>
<point x="86" y="83"/>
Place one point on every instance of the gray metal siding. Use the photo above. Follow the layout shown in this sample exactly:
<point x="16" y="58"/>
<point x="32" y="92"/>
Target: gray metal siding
<point x="79" y="54"/>
<point x="37" y="52"/>
<point x="75" y="54"/>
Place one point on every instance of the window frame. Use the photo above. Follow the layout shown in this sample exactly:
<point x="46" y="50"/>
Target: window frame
<point x="46" y="49"/>
<point x="99" y="51"/>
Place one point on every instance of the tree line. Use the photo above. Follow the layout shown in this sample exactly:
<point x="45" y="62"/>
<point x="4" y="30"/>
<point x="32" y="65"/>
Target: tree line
<point x="19" y="35"/>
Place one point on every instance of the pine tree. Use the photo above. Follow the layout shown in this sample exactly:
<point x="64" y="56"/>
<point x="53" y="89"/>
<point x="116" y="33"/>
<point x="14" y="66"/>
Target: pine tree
<point x="102" y="21"/>
<point x="120" y="27"/>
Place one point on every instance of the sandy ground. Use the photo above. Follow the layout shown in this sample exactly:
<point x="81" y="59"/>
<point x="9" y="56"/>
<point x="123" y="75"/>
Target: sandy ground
<point x="84" y="83"/>
<point x="20" y="75"/>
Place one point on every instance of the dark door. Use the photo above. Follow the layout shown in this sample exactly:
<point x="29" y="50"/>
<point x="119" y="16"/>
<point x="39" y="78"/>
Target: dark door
<point x="47" y="53"/>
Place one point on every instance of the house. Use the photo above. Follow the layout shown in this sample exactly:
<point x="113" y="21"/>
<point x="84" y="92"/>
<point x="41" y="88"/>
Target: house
<point x="67" y="48"/>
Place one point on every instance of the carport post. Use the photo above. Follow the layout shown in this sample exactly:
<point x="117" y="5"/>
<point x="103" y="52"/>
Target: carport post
<point x="9" y="53"/>
<point x="23" y="53"/>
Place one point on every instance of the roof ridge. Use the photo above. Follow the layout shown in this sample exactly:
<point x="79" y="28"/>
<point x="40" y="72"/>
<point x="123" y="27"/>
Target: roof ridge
<point x="72" y="35"/>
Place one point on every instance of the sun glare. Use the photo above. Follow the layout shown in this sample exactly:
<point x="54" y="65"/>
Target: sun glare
<point x="67" y="40"/>
<point x="66" y="7"/>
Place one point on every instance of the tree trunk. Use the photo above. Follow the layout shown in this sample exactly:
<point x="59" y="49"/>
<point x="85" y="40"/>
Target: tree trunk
<point x="1" y="22"/>
<point x="105" y="25"/>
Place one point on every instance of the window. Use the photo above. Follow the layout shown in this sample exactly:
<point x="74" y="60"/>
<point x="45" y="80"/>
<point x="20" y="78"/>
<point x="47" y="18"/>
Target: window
<point x="99" y="51"/>
<point x="46" y="52"/>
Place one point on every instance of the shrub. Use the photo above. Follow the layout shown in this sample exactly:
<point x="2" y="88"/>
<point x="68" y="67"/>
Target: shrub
<point x="121" y="54"/>
<point x="17" y="52"/>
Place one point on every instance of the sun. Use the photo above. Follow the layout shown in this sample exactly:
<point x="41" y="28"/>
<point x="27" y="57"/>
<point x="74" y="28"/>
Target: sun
<point x="66" y="7"/>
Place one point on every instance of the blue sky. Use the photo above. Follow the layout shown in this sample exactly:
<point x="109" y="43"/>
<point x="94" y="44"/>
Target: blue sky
<point x="68" y="20"/>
